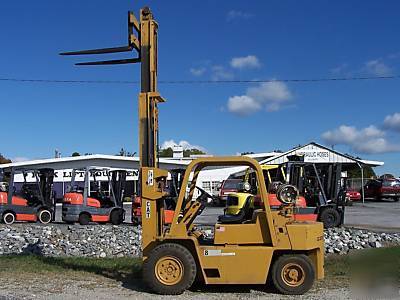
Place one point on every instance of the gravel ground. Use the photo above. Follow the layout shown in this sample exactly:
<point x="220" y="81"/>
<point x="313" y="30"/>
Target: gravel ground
<point x="98" y="287"/>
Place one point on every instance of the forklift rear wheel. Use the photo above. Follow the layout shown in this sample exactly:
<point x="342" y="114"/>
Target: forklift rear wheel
<point x="84" y="219"/>
<point x="116" y="216"/>
<point x="293" y="274"/>
<point x="170" y="269"/>
<point x="8" y="218"/>
<point x="330" y="217"/>
<point x="44" y="216"/>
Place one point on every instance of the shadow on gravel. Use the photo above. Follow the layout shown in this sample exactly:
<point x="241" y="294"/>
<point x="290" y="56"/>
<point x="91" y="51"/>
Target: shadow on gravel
<point x="127" y="271"/>
<point x="129" y="276"/>
<point x="237" y="289"/>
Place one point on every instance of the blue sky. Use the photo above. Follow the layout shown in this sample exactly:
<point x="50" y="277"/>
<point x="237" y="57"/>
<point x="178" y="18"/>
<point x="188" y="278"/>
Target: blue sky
<point x="203" y="40"/>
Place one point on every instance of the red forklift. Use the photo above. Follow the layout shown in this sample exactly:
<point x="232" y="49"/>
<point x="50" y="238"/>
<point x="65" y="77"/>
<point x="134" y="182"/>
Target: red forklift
<point x="95" y="201"/>
<point x="173" y="187"/>
<point x="30" y="201"/>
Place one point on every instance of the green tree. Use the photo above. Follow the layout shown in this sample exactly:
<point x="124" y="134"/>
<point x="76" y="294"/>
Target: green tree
<point x="356" y="172"/>
<point x="169" y="152"/>
<point x="194" y="151"/>
<point x="75" y="154"/>
<point x="166" y="152"/>
<point x="123" y="152"/>
<point x="4" y="160"/>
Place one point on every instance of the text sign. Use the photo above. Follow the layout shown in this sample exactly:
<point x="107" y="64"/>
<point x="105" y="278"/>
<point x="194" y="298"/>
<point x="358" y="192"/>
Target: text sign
<point x="320" y="156"/>
<point x="148" y="210"/>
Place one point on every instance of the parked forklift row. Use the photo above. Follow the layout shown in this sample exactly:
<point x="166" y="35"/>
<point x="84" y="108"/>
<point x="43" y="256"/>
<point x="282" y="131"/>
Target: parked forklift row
<point x="321" y="195"/>
<point x="35" y="201"/>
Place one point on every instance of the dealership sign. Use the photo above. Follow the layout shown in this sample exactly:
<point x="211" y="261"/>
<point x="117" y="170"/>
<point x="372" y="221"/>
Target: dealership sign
<point x="66" y="175"/>
<point x="315" y="156"/>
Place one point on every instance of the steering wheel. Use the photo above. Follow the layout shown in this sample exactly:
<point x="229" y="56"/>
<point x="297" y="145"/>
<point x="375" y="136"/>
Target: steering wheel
<point x="204" y="196"/>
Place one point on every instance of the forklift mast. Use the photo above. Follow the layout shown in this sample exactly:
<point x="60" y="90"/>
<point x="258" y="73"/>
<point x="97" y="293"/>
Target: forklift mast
<point x="46" y="178"/>
<point x="117" y="186"/>
<point x="152" y="179"/>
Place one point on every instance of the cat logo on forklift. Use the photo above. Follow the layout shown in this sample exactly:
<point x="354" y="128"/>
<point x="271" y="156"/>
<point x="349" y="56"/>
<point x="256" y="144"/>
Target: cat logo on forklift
<point x="148" y="211"/>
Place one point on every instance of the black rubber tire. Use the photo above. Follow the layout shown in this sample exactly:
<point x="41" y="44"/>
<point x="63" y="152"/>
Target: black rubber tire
<point x="116" y="216"/>
<point x="396" y="199"/>
<point x="178" y="252"/>
<point x="8" y="218"/>
<point x="44" y="216"/>
<point x="298" y="259"/>
<point x="330" y="217"/>
<point x="84" y="219"/>
<point x="136" y="221"/>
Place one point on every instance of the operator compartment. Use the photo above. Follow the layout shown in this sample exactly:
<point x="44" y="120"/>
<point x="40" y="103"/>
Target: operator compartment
<point x="249" y="232"/>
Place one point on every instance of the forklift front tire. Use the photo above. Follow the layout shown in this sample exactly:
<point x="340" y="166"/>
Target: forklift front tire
<point x="170" y="269"/>
<point x="8" y="218"/>
<point x="44" y="216"/>
<point x="116" y="216"/>
<point x="84" y="219"/>
<point x="293" y="274"/>
<point x="330" y="217"/>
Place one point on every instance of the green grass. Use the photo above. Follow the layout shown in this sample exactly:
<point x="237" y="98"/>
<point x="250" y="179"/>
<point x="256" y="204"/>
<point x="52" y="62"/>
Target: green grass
<point x="367" y="266"/>
<point x="378" y="262"/>
<point x="116" y="268"/>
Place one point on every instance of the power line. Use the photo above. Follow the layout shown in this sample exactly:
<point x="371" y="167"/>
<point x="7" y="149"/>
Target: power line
<point x="304" y="80"/>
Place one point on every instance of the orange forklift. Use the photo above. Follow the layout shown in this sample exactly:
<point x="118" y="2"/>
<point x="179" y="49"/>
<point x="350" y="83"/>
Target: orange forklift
<point x="31" y="201"/>
<point x="94" y="201"/>
<point x="173" y="186"/>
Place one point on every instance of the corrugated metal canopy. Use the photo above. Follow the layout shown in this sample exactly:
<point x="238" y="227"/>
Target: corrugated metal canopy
<point x="317" y="153"/>
<point x="107" y="161"/>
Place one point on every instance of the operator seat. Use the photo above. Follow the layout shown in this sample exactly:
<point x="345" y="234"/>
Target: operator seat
<point x="244" y="214"/>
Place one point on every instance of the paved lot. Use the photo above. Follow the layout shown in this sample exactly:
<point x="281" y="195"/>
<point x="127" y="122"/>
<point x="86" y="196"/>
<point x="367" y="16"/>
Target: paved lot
<point x="379" y="216"/>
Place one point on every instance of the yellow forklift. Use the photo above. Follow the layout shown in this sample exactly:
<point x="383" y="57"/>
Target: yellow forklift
<point x="321" y="188"/>
<point x="268" y="245"/>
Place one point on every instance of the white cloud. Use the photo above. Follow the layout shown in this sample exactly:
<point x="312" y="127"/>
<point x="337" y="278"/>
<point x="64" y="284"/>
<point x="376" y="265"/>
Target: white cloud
<point x="237" y="14"/>
<point x="198" y="71"/>
<point x="243" y="105"/>
<point x="392" y="121"/>
<point x="367" y="140"/>
<point x="378" y="68"/>
<point x="268" y="95"/>
<point x="245" y="62"/>
<point x="221" y="73"/>
<point x="185" y="144"/>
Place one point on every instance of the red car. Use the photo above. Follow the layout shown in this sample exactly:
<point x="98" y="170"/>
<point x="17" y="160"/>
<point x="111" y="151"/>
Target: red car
<point x="383" y="188"/>
<point x="228" y="186"/>
<point x="353" y="195"/>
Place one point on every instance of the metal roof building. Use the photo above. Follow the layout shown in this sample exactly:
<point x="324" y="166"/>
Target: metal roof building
<point x="316" y="153"/>
<point x="96" y="160"/>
